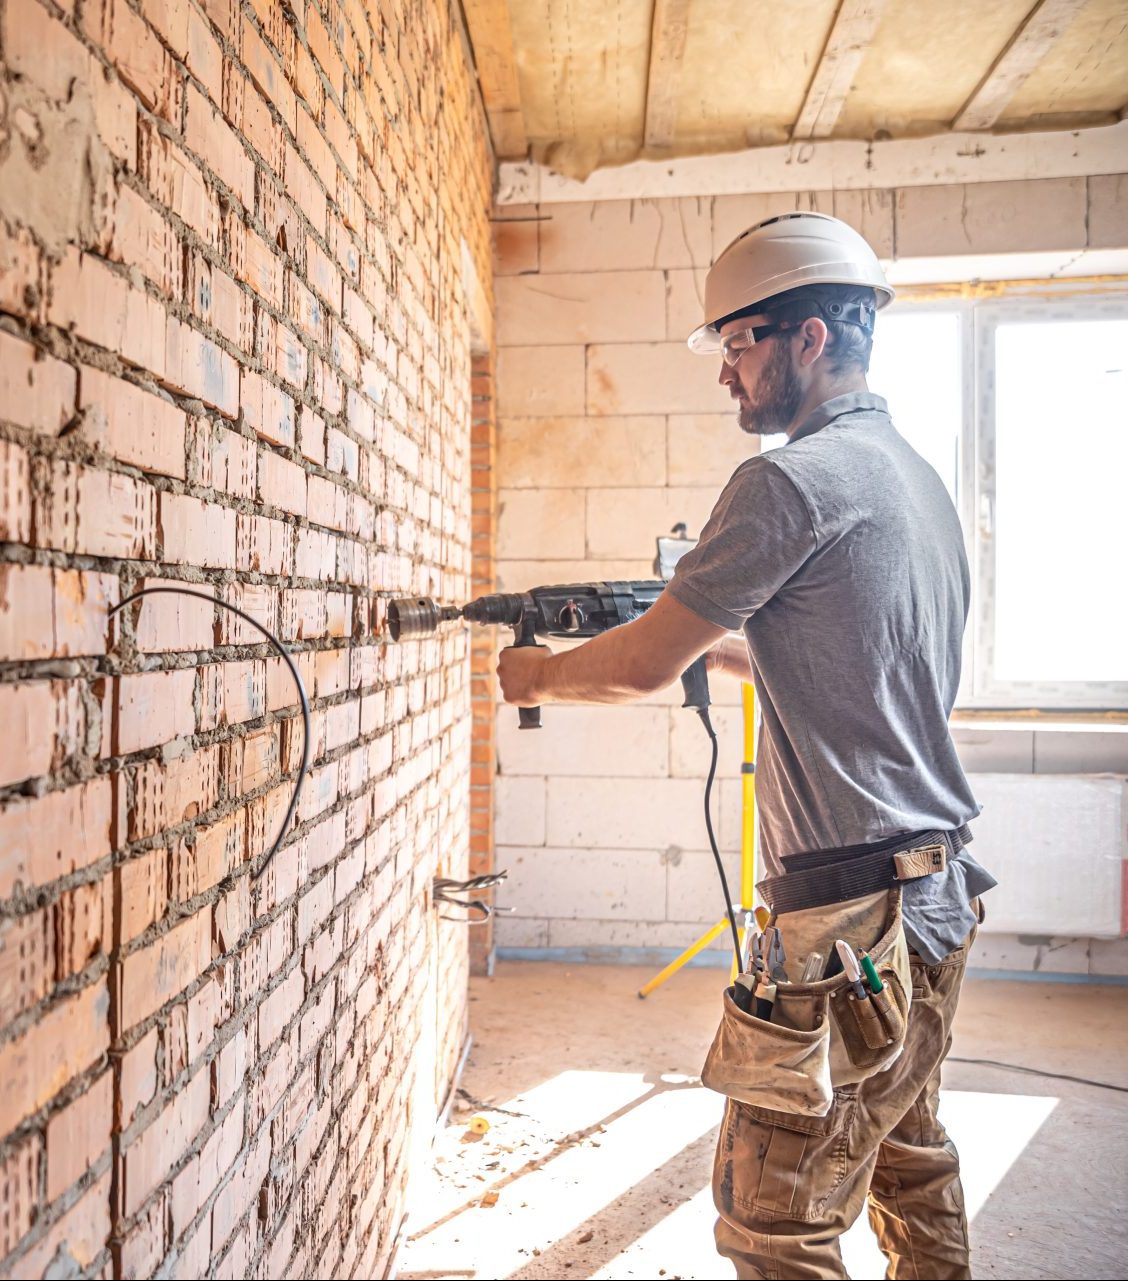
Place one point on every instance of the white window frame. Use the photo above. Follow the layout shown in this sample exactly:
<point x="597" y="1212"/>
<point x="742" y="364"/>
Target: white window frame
<point x="979" y="319"/>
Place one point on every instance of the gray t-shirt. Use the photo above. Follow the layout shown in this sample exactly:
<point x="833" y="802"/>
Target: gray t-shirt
<point x="840" y="556"/>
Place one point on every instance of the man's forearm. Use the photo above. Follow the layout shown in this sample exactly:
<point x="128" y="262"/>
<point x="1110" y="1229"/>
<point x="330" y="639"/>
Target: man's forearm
<point x="607" y="669"/>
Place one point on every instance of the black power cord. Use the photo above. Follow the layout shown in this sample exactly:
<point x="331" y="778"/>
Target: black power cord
<point x="277" y="645"/>
<point x="703" y="712"/>
<point x="445" y="890"/>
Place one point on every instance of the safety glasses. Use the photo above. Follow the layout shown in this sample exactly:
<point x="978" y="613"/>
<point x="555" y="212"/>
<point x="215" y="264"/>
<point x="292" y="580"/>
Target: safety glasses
<point x="734" y="345"/>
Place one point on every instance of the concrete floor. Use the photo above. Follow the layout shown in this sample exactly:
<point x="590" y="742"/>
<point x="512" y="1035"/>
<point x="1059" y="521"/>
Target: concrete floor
<point x="597" y="1158"/>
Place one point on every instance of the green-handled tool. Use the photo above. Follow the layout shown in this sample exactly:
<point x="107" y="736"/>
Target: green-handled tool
<point x="870" y="970"/>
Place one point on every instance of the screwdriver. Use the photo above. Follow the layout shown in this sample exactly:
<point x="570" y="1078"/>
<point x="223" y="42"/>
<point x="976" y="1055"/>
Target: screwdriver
<point x="850" y="966"/>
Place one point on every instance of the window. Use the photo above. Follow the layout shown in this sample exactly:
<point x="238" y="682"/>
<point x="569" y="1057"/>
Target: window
<point x="1021" y="405"/>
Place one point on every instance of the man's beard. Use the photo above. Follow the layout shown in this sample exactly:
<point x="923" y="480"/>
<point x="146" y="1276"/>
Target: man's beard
<point x="778" y="396"/>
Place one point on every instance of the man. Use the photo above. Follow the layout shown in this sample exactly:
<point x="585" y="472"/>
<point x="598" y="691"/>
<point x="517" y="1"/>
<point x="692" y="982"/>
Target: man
<point x="840" y="558"/>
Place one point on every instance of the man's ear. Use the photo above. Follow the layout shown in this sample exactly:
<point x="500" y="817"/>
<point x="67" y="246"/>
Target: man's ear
<point x="814" y="335"/>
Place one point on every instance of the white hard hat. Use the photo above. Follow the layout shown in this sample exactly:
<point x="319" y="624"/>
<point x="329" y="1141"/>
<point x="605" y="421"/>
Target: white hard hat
<point x="781" y="253"/>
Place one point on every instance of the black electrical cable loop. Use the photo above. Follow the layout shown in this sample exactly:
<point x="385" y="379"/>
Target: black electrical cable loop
<point x="303" y="769"/>
<point x="704" y="714"/>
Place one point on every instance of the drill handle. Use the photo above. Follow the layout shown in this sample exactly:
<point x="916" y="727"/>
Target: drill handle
<point x="525" y="634"/>
<point x="695" y="683"/>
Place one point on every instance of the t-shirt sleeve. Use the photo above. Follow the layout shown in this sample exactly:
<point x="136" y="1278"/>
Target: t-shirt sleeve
<point x="758" y="535"/>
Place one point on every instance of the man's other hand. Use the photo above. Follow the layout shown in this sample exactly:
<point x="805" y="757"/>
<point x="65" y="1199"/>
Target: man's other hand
<point x="521" y="674"/>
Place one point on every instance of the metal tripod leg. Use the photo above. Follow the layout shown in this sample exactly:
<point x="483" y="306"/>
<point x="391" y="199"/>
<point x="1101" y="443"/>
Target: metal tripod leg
<point x="747" y="852"/>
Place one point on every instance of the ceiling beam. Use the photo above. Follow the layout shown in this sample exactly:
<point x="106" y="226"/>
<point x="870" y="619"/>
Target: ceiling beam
<point x="1043" y="27"/>
<point x="853" y="29"/>
<point x="668" y="31"/>
<point x="492" y="38"/>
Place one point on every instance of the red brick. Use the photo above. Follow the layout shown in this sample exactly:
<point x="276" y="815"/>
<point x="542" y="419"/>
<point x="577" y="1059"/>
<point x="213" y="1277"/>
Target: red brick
<point x="281" y="483"/>
<point x="266" y="72"/>
<point x="78" y="1135"/>
<point x="176" y="183"/>
<point x="264" y="545"/>
<point x="95" y="513"/>
<point x="21" y="272"/>
<point x="279" y="1009"/>
<point x="165" y="795"/>
<point x="132" y="425"/>
<point x="82" y="927"/>
<point x="36" y="1065"/>
<point x="27" y="962"/>
<point x="217" y="300"/>
<point x="174" y="622"/>
<point x="142" y="893"/>
<point x="312" y="436"/>
<point x="36" y="390"/>
<point x="304" y="189"/>
<point x="141" y="1247"/>
<point x="260" y="130"/>
<point x="151" y="708"/>
<point x="232" y="693"/>
<point x="97" y="302"/>
<point x="214" y="141"/>
<point x="204" y="59"/>
<point x="140" y="59"/>
<point x="170" y="19"/>
<point x="15" y="494"/>
<point x="291" y="361"/>
<point x="19" y="1190"/>
<point x="221" y="459"/>
<point x="193" y="532"/>
<point x="142" y="238"/>
<point x="138" y="1078"/>
<point x="217" y="852"/>
<point x="256" y="263"/>
<point x="37" y="843"/>
<point x="224" y="13"/>
<point x="78" y="1237"/>
<point x="195" y="366"/>
<point x="151" y="1156"/>
<point x="156" y="973"/>
<point x="53" y="613"/>
<point x="45" y="724"/>
<point x="267" y="411"/>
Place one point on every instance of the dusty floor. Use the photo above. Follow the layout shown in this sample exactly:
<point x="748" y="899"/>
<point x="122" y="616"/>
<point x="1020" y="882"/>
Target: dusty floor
<point x="596" y="1163"/>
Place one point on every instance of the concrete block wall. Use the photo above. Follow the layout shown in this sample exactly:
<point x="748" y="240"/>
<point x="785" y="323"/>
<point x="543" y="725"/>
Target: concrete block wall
<point x="610" y="431"/>
<point x="235" y="353"/>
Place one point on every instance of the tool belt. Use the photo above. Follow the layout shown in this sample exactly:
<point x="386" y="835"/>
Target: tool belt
<point x="821" y="1037"/>
<point x="822" y="877"/>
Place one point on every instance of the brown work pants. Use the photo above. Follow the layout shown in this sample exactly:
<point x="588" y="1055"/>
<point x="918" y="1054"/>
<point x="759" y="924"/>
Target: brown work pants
<point x="786" y="1187"/>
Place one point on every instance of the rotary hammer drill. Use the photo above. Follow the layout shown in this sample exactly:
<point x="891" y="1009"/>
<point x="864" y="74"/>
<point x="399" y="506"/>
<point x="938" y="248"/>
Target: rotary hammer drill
<point x="573" y="611"/>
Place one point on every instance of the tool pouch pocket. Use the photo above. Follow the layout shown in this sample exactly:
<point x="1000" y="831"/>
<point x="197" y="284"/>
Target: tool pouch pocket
<point x="820" y="1037"/>
<point x="771" y="1064"/>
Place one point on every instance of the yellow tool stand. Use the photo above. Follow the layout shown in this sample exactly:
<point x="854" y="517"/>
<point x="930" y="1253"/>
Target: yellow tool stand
<point x="747" y="853"/>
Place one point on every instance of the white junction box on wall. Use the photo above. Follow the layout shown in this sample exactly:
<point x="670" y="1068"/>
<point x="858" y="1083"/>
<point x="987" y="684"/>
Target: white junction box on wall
<point x="1057" y="845"/>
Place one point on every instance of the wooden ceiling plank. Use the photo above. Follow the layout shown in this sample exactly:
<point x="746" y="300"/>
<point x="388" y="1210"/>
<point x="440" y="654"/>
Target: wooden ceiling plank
<point x="492" y="38"/>
<point x="668" y="31"/>
<point x="1043" y="27"/>
<point x="853" y="29"/>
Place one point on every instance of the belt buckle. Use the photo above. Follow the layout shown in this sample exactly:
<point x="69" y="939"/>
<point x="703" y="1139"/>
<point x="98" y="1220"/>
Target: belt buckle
<point x="921" y="860"/>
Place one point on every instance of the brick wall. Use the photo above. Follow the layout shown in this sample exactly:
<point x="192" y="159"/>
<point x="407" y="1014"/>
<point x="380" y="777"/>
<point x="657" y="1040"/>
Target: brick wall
<point x="609" y="431"/>
<point x="235" y="341"/>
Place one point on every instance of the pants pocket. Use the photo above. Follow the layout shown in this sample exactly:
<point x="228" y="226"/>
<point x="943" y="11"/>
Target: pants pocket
<point x="779" y="1164"/>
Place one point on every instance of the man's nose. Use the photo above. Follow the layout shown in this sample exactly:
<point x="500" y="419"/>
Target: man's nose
<point x="727" y="374"/>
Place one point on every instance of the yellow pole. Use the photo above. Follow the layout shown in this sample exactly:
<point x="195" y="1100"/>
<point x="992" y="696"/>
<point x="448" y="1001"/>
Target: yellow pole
<point x="748" y="807"/>
<point x="688" y="955"/>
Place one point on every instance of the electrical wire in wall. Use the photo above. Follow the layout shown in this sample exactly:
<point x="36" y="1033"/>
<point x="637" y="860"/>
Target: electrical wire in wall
<point x="283" y="653"/>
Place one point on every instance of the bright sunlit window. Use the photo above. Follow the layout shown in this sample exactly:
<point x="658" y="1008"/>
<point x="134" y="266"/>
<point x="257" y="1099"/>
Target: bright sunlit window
<point x="1061" y="464"/>
<point x="916" y="366"/>
<point x="1030" y="436"/>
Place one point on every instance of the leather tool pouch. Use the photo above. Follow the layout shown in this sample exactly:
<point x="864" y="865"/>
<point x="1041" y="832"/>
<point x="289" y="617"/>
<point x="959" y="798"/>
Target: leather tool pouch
<point x="820" y="1037"/>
